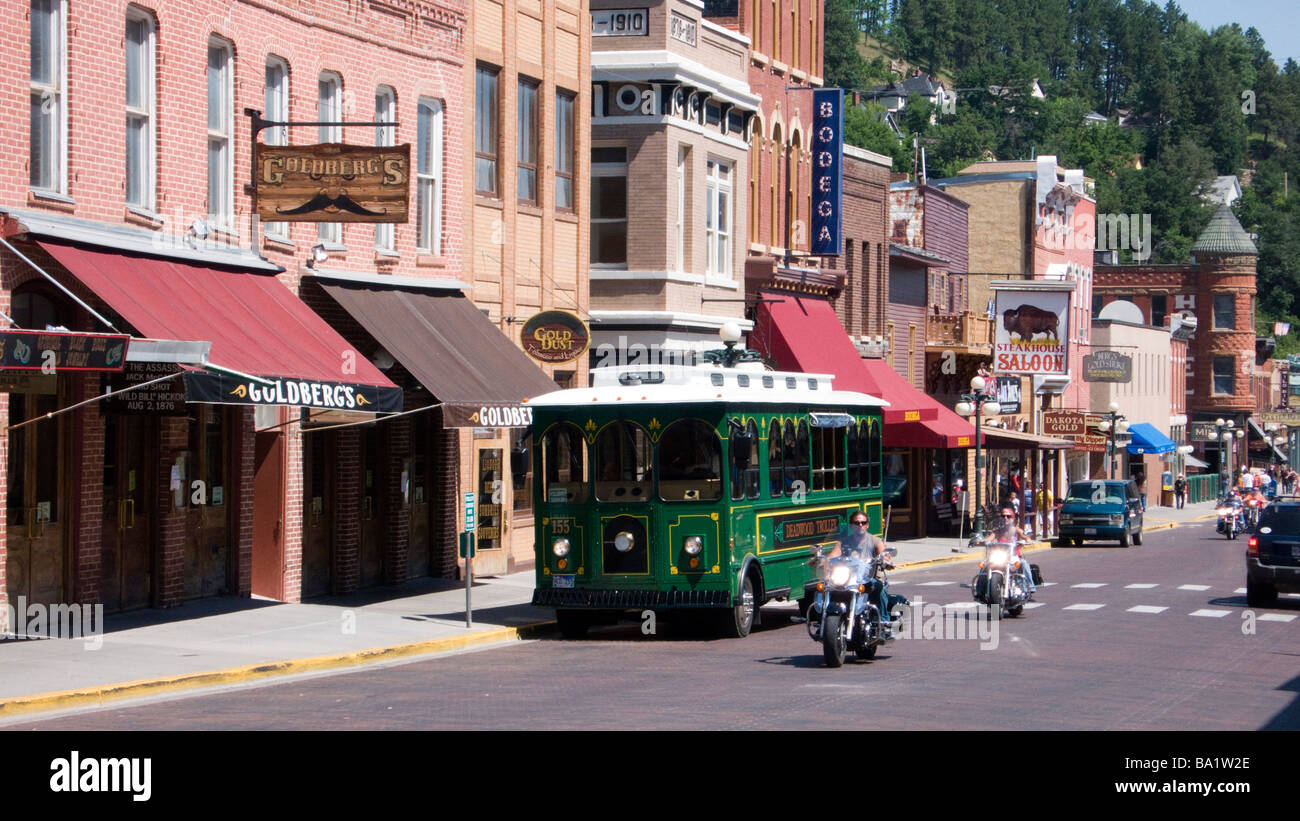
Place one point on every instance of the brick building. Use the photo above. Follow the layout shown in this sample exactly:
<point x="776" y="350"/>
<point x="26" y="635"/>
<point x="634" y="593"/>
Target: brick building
<point x="1217" y="288"/>
<point x="670" y="161"/>
<point x="527" y="80"/>
<point x="124" y="198"/>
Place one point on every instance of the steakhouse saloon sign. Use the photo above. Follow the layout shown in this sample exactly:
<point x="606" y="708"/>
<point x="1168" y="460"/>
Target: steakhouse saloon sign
<point x="332" y="182"/>
<point x="1033" y="331"/>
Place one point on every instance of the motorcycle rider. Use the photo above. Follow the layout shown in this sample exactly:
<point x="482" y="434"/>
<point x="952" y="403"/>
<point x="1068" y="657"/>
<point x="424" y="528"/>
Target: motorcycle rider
<point x="1006" y="530"/>
<point x="857" y="541"/>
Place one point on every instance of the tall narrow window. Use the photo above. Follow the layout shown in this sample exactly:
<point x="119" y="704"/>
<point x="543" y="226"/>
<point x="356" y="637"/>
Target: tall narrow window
<point x="718" y="219"/>
<point x="1225" y="311"/>
<point x="565" y="150"/>
<point x="276" y="105"/>
<point x="329" y="109"/>
<point x="428" y="177"/>
<point x="609" y="206"/>
<point x="486" y="135"/>
<point x="220" y="155"/>
<point x="527" y="138"/>
<point x="386" y="112"/>
<point x="139" y="110"/>
<point x="683" y="165"/>
<point x="47" y="159"/>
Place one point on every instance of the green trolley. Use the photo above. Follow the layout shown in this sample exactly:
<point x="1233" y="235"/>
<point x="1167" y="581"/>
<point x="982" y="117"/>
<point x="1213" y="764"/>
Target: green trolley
<point x="695" y="488"/>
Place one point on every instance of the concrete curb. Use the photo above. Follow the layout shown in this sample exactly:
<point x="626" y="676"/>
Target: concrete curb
<point x="101" y="695"/>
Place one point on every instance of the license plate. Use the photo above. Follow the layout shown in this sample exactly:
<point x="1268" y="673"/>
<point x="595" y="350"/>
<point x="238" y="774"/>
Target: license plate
<point x="1090" y="531"/>
<point x="564" y="581"/>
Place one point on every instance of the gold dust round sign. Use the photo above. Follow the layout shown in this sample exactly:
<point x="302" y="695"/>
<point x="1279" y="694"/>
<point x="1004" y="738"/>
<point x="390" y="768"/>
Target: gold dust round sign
<point x="554" y="336"/>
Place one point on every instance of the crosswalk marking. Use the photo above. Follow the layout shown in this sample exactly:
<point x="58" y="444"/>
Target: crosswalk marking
<point x="933" y="584"/>
<point x="1089" y="584"/>
<point x="1278" y="617"/>
<point x="1210" y="614"/>
<point x="1140" y="586"/>
<point x="1031" y="605"/>
<point x="1197" y="587"/>
<point x="1239" y="591"/>
<point x="1047" y="584"/>
<point x="1084" y="607"/>
<point x="1147" y="608"/>
<point x="962" y="605"/>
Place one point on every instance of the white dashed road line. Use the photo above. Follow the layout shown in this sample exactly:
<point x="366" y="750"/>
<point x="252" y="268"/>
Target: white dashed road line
<point x="1140" y="586"/>
<point x="1210" y="614"/>
<point x="933" y="584"/>
<point x="1147" y="608"/>
<point x="1200" y="588"/>
<point x="1089" y="584"/>
<point x="1084" y="607"/>
<point x="1031" y="605"/>
<point x="1284" y="617"/>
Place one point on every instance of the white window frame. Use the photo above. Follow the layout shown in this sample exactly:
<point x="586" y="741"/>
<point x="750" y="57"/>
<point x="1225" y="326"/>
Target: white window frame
<point x="276" y="102"/>
<point x="719" y="182"/>
<point x="428" y="180"/>
<point x="385" y="112"/>
<point x="566" y="150"/>
<point x="145" y="114"/>
<point x="610" y="169"/>
<point x="683" y="159"/>
<point x="53" y="95"/>
<point x="222" y="214"/>
<point x="329" y="108"/>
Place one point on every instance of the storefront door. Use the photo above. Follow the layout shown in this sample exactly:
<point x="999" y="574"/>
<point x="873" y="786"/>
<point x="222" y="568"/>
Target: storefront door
<point x="126" y="569"/>
<point x="419" y="558"/>
<point x="37" y="502"/>
<point x="317" y="512"/>
<point x="372" y="555"/>
<point x="205" y="479"/>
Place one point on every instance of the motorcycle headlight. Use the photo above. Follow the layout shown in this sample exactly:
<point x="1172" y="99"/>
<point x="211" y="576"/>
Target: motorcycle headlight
<point x="998" y="556"/>
<point x="840" y="575"/>
<point x="1224" y="511"/>
<point x="560" y="547"/>
<point x="624" y="541"/>
<point x="693" y="545"/>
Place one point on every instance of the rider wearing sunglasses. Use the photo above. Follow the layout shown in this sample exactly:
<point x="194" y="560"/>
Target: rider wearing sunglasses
<point x="1005" y="529"/>
<point x="858" y="540"/>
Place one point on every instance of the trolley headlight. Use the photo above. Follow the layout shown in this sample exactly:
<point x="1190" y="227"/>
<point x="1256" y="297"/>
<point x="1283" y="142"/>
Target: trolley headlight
<point x="840" y="575"/>
<point x="624" y="541"/>
<point x="560" y="547"/>
<point x="693" y="545"/>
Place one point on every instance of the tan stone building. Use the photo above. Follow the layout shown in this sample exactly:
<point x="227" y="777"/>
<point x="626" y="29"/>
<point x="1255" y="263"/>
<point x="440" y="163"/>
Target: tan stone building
<point x="527" y="79"/>
<point x="669" y="157"/>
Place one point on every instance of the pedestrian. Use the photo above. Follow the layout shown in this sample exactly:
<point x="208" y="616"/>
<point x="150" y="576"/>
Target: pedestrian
<point x="1180" y="491"/>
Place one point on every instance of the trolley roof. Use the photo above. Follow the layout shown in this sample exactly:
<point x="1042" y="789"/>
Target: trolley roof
<point x="682" y="384"/>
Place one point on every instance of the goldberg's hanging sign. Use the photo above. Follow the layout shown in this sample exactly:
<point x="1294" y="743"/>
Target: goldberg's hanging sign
<point x="554" y="336"/>
<point x="332" y="182"/>
<point x="828" y="171"/>
<point x="1033" y="330"/>
<point x="309" y="393"/>
<point x="52" y="351"/>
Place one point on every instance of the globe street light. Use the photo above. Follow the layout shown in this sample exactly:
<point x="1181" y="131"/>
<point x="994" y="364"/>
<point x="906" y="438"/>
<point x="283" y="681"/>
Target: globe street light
<point x="977" y="403"/>
<point x="1113" y="423"/>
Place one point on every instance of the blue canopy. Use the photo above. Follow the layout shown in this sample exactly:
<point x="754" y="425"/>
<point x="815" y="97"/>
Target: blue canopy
<point x="1146" y="439"/>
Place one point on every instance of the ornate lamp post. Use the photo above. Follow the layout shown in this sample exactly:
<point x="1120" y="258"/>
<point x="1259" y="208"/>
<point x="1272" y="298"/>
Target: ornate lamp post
<point x="1223" y="435"/>
<point x="1113" y="423"/>
<point x="977" y="403"/>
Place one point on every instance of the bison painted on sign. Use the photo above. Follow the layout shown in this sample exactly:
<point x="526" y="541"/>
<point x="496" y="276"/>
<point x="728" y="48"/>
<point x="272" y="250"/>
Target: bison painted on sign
<point x="1028" y="320"/>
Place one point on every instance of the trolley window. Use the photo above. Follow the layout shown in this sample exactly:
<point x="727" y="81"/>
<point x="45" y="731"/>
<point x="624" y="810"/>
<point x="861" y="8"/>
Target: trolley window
<point x="690" y="462"/>
<point x="564" y="464"/>
<point x="623" y="456"/>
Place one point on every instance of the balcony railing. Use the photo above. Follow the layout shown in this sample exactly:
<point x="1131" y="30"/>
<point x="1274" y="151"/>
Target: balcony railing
<point x="963" y="330"/>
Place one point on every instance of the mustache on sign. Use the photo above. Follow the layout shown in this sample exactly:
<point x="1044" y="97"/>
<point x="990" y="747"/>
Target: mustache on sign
<point x="323" y="201"/>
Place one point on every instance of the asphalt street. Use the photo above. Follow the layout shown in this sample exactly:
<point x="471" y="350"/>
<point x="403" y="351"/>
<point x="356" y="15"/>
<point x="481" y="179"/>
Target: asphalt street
<point x="1157" y="637"/>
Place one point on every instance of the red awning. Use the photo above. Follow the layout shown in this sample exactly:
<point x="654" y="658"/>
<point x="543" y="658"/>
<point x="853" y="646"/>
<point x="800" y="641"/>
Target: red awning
<point x="255" y="324"/>
<point x="804" y="334"/>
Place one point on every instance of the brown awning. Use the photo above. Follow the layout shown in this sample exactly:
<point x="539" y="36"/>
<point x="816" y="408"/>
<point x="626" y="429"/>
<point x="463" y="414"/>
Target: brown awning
<point x="1000" y="438"/>
<point x="450" y="346"/>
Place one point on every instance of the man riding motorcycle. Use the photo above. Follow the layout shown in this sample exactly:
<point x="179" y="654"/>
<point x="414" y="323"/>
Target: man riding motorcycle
<point x="1006" y="530"/>
<point x="857" y="540"/>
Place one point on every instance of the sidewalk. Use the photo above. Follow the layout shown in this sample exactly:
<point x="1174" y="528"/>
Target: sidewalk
<point x="226" y="641"/>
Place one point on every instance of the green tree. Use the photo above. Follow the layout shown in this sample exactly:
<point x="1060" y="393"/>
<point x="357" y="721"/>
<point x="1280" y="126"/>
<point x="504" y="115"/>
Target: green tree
<point x="864" y="128"/>
<point x="842" y="64"/>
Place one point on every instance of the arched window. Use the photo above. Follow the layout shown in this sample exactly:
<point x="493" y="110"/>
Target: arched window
<point x="623" y="457"/>
<point x="778" y="151"/>
<point x="775" y="486"/>
<point x="564" y="464"/>
<point x="793" y="174"/>
<point x="744" y="461"/>
<point x="873" y="452"/>
<point x="690" y="462"/>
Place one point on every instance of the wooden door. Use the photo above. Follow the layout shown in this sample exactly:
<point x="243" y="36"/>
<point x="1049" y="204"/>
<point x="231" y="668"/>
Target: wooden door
<point x="317" y="512"/>
<point x="372" y="557"/>
<point x="37" y="502"/>
<point x="205" y="481"/>
<point x="268" y="515"/>
<point x="126" y="569"/>
<point x="419" y="561"/>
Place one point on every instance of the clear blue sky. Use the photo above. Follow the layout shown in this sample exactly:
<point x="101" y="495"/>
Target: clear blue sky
<point x="1275" y="19"/>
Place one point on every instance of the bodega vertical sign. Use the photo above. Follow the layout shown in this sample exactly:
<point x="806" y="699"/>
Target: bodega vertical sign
<point x="828" y="172"/>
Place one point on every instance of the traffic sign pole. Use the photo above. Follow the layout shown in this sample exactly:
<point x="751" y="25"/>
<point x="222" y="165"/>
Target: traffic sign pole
<point x="467" y="547"/>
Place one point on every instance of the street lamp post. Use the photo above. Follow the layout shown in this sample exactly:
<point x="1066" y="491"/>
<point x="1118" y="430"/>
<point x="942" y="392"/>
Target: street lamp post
<point x="978" y="403"/>
<point x="1113" y="423"/>
<point x="1225" y="433"/>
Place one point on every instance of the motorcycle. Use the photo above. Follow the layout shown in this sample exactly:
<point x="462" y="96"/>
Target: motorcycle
<point x="1231" y="519"/>
<point x="1001" y="580"/>
<point x="1252" y="509"/>
<point x="844" y="614"/>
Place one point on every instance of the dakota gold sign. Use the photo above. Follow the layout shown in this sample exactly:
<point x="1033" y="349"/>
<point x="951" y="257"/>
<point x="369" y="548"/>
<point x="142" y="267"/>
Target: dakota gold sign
<point x="332" y="182"/>
<point x="554" y="336"/>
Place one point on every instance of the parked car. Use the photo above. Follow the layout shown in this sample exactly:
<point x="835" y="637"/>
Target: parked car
<point x="1101" y="509"/>
<point x="1273" y="554"/>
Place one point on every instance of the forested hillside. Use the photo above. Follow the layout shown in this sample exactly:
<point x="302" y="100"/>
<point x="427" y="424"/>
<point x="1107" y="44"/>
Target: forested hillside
<point x="1194" y="104"/>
